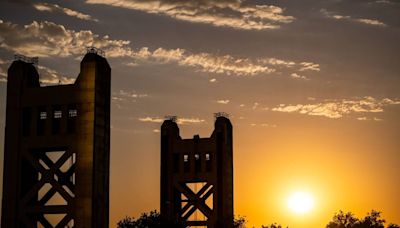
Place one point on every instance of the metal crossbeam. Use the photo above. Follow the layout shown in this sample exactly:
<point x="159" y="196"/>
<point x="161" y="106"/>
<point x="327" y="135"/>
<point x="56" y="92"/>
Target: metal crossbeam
<point x="196" y="200"/>
<point x="48" y="176"/>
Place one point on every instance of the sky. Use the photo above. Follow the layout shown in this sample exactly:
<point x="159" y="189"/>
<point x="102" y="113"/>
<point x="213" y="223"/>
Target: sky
<point x="311" y="88"/>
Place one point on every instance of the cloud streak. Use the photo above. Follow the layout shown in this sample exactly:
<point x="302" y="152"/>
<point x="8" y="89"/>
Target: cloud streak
<point x="338" y="108"/>
<point x="225" y="64"/>
<point x="223" y="102"/>
<point x="237" y="14"/>
<point x="309" y="66"/>
<point x="123" y="95"/>
<point x="151" y="119"/>
<point x="178" y="121"/>
<point x="45" y="39"/>
<point x="298" y="76"/>
<point x="204" y="62"/>
<point x="365" y="21"/>
<point x="51" y="77"/>
<point x="56" y="8"/>
<point x="218" y="64"/>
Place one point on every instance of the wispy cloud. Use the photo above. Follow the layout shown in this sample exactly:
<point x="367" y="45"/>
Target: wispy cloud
<point x="292" y="65"/>
<point x="205" y="62"/>
<point x="179" y="120"/>
<point x="123" y="95"/>
<point x="51" y="77"/>
<point x="309" y="66"/>
<point x="262" y="125"/>
<point x="151" y="119"/>
<point x="277" y="62"/>
<point x="298" y="76"/>
<point x="225" y="64"/>
<point x="45" y="39"/>
<point x="56" y="8"/>
<point x="366" y="119"/>
<point x="237" y="14"/>
<point x="159" y="55"/>
<point x="384" y="2"/>
<point x="189" y="120"/>
<point x="371" y="22"/>
<point x="338" y="108"/>
<point x="223" y="102"/>
<point x="366" y="21"/>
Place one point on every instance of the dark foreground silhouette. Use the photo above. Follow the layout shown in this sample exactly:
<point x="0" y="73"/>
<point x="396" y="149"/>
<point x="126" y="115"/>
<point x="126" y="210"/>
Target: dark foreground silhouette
<point x="348" y="220"/>
<point x="153" y="220"/>
<point x="340" y="220"/>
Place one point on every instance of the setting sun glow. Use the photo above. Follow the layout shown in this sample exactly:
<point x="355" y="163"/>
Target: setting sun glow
<point x="300" y="202"/>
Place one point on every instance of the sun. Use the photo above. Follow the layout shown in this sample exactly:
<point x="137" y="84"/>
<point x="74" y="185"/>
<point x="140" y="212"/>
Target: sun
<point x="300" y="202"/>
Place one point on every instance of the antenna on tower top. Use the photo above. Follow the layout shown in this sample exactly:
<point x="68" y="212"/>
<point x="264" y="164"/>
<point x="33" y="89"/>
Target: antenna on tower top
<point x="26" y="59"/>
<point x="221" y="114"/>
<point x="172" y="118"/>
<point x="96" y="51"/>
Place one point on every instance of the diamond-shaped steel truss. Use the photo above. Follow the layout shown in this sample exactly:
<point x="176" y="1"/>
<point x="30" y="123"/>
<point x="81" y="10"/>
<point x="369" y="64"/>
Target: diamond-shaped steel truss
<point x="196" y="208"/>
<point x="49" y="201"/>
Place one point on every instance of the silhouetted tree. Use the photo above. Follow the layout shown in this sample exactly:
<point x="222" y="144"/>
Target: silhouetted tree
<point x="339" y="220"/>
<point x="343" y="220"/>
<point x="372" y="220"/>
<point x="273" y="225"/>
<point x="348" y="220"/>
<point x="146" y="220"/>
<point x="239" y="222"/>
<point x="391" y="225"/>
<point x="153" y="220"/>
<point x="127" y="222"/>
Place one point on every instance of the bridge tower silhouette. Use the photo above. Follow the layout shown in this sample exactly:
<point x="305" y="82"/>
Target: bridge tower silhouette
<point x="197" y="176"/>
<point x="57" y="147"/>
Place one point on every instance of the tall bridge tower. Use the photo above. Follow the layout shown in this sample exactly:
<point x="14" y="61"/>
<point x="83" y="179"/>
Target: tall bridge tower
<point x="57" y="147"/>
<point x="197" y="176"/>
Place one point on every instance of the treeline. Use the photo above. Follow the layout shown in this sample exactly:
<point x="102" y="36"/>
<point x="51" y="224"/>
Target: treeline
<point x="340" y="220"/>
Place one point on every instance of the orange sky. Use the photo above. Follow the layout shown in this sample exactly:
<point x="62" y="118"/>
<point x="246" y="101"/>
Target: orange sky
<point x="339" y="162"/>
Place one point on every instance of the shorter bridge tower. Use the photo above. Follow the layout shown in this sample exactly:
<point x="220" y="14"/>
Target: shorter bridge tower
<point x="197" y="176"/>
